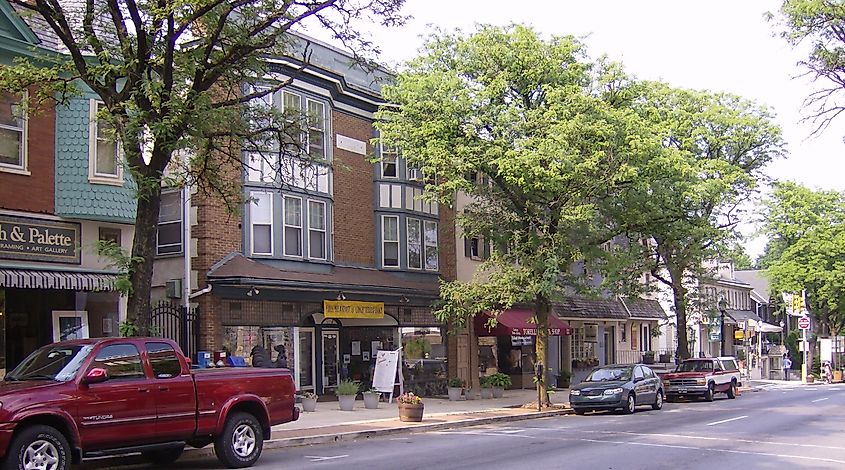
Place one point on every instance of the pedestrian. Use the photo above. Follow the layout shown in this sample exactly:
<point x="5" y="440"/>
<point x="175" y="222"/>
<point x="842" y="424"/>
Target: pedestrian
<point x="787" y="364"/>
<point x="827" y="371"/>
<point x="281" y="357"/>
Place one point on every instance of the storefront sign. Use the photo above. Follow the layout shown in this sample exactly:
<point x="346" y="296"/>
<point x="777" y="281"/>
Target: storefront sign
<point x="533" y="331"/>
<point x="39" y="240"/>
<point x="350" y="309"/>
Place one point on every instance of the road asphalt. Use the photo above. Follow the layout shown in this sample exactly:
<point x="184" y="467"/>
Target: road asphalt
<point x="783" y="425"/>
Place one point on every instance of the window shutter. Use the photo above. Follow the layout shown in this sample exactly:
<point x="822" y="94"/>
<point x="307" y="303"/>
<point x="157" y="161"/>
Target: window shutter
<point x="467" y="247"/>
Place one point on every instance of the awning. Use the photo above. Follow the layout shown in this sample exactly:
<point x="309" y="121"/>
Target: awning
<point x="66" y="280"/>
<point x="764" y="327"/>
<point x="518" y="322"/>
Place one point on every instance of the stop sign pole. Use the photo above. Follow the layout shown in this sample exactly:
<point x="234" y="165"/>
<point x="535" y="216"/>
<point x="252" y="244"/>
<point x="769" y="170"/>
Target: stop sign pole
<point x="804" y="325"/>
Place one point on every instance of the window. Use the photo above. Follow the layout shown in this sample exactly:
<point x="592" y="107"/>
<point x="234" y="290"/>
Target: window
<point x="260" y="168"/>
<point x="163" y="360"/>
<point x="108" y="234"/>
<point x="293" y="226"/>
<point x="169" y="230"/>
<point x="389" y="162"/>
<point x="122" y="361"/>
<point x="415" y="173"/>
<point x="390" y="241"/>
<point x="13" y="132"/>
<point x="261" y="221"/>
<point x="431" y="261"/>
<point x="316" y="230"/>
<point x="294" y="136"/>
<point x="316" y="129"/>
<point x="414" y="244"/>
<point x="638" y="373"/>
<point x="649" y="374"/>
<point x="103" y="150"/>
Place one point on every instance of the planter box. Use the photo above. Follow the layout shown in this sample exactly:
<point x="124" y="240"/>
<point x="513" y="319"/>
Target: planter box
<point x="486" y="392"/>
<point x="309" y="404"/>
<point x="347" y="402"/>
<point x="371" y="400"/>
<point x="455" y="393"/>
<point x="498" y="392"/>
<point x="472" y="394"/>
<point x="411" y="413"/>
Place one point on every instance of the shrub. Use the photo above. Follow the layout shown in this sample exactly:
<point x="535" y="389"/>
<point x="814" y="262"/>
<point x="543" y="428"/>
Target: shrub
<point x="347" y="387"/>
<point x="456" y="382"/>
<point x="500" y="380"/>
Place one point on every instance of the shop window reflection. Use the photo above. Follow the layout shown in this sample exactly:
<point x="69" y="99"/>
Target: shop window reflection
<point x="425" y="367"/>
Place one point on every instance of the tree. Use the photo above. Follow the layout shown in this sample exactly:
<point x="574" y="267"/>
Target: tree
<point x="736" y="253"/>
<point x="185" y="77"/>
<point x="821" y="23"/>
<point x="536" y="138"/>
<point x="809" y="225"/>
<point x="688" y="197"/>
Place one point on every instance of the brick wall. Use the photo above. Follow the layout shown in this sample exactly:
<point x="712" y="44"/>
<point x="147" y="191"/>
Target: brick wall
<point x="34" y="192"/>
<point x="354" y="233"/>
<point x="448" y="253"/>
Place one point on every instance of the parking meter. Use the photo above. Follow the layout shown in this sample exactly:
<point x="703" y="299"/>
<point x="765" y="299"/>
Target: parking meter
<point x="539" y="372"/>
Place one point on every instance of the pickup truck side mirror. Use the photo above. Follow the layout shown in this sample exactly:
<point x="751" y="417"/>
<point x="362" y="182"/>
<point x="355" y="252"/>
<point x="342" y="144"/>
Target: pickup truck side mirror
<point x="95" y="376"/>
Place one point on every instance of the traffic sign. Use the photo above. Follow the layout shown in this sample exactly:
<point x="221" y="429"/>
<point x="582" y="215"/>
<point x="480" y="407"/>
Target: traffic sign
<point x="804" y="323"/>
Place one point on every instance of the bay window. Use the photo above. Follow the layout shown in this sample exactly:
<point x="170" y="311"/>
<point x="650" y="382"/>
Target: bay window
<point x="293" y="226"/>
<point x="431" y="257"/>
<point x="261" y="223"/>
<point x="414" y="244"/>
<point x="390" y="241"/>
<point x="316" y="230"/>
<point x="316" y="130"/>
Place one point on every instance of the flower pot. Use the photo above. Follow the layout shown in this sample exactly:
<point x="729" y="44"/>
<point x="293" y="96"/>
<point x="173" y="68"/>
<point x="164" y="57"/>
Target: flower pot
<point x="455" y="393"/>
<point x="837" y="376"/>
<point x="371" y="400"/>
<point x="309" y="404"/>
<point x="471" y="393"/>
<point x="411" y="413"/>
<point x="486" y="392"/>
<point x="498" y="392"/>
<point x="810" y="379"/>
<point x="347" y="402"/>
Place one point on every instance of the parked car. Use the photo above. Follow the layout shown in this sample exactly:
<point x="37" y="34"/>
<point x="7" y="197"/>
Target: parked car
<point x="94" y="397"/>
<point x="703" y="378"/>
<point x="614" y="387"/>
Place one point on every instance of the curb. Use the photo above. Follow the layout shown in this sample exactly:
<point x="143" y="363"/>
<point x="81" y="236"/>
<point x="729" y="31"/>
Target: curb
<point x="208" y="451"/>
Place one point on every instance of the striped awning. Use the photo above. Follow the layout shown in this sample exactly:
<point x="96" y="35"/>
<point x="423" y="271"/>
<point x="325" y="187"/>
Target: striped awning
<point x="69" y="280"/>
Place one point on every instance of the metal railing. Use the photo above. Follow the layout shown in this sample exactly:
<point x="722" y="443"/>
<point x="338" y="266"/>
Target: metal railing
<point x="663" y="356"/>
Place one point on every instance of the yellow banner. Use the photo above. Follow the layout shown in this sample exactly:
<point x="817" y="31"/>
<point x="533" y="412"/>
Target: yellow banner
<point x="739" y="334"/>
<point x="351" y="309"/>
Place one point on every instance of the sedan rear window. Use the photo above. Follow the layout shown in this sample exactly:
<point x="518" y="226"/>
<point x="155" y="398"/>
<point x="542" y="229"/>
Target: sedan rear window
<point x="609" y="374"/>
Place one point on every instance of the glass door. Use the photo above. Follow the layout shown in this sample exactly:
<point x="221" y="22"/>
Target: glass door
<point x="331" y="358"/>
<point x="306" y="359"/>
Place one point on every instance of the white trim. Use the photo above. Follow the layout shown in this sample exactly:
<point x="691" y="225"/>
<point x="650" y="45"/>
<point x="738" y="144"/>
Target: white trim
<point x="23" y="168"/>
<point x="252" y="224"/>
<point x="324" y="130"/>
<point x="81" y="314"/>
<point x="285" y="225"/>
<point x="324" y="230"/>
<point x="180" y="221"/>
<point x="93" y="176"/>
<point x="397" y="241"/>
<point x="395" y="163"/>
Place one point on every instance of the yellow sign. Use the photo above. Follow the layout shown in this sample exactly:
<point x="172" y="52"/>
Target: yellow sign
<point x="739" y="334"/>
<point x="350" y="309"/>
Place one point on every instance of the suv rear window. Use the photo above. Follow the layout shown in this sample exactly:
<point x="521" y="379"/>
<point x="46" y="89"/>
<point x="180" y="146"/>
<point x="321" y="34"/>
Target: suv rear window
<point x="696" y="366"/>
<point x="729" y="364"/>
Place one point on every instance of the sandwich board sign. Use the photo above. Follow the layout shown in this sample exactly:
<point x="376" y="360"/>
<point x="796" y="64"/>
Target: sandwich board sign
<point x="384" y="377"/>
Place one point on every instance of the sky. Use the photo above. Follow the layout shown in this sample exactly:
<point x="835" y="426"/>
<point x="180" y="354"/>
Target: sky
<point x="716" y="45"/>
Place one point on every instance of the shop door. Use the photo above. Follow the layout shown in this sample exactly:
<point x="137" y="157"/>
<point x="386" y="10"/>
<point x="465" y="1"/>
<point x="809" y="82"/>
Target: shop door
<point x="331" y="358"/>
<point x="305" y="358"/>
<point x="610" y="345"/>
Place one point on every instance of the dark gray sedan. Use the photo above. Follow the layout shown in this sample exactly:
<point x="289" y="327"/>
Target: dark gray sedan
<point x="613" y="387"/>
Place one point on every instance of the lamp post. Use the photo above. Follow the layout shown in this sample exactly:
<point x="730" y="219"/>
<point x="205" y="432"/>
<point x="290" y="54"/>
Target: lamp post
<point x="782" y="343"/>
<point x="723" y="304"/>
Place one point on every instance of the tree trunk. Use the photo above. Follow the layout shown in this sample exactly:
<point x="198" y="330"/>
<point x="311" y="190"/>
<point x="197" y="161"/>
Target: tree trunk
<point x="143" y="255"/>
<point x="679" y="295"/>
<point x="541" y="345"/>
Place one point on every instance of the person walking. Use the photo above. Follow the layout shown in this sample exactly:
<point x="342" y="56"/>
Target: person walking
<point x="787" y="364"/>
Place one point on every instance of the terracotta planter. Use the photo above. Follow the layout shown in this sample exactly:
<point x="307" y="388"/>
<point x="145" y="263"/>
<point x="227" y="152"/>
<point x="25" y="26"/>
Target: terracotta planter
<point x="309" y="404"/>
<point x="411" y="413"/>
<point x="347" y="402"/>
<point x="486" y="392"/>
<point x="455" y="393"/>
<point x="498" y="392"/>
<point x="371" y="400"/>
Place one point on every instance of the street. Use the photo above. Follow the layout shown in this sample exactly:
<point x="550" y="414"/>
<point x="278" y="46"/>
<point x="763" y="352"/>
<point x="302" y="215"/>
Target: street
<point x="794" y="425"/>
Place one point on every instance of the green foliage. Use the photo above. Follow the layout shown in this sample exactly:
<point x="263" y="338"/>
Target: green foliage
<point x="456" y="382"/>
<point x="118" y="258"/>
<point x="128" y="328"/>
<point x="485" y="382"/>
<point x="500" y="380"/>
<point x="417" y="348"/>
<point x="817" y="366"/>
<point x="347" y="387"/>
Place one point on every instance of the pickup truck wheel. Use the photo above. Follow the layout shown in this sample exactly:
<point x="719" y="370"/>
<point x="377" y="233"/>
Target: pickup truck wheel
<point x="708" y="396"/>
<point x="732" y="390"/>
<point x="241" y="442"/>
<point x="658" y="401"/>
<point x="39" y="448"/>
<point x="164" y="456"/>
<point x="630" y="405"/>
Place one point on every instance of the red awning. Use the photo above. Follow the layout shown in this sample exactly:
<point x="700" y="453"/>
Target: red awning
<point x="517" y="322"/>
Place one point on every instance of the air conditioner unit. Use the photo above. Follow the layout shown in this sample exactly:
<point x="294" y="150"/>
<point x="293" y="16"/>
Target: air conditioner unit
<point x="415" y="174"/>
<point x="173" y="289"/>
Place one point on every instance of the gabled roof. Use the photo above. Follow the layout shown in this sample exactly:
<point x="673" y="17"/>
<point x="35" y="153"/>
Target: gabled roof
<point x="14" y="27"/>
<point x="757" y="279"/>
<point x="582" y="307"/>
<point x="642" y="309"/>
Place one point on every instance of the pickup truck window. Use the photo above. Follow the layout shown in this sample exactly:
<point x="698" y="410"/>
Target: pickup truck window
<point x="51" y="363"/>
<point x="729" y="365"/>
<point x="122" y="361"/>
<point x="696" y="366"/>
<point x="163" y="360"/>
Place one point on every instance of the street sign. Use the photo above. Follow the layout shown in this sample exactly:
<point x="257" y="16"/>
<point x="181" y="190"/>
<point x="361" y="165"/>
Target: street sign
<point x="804" y="323"/>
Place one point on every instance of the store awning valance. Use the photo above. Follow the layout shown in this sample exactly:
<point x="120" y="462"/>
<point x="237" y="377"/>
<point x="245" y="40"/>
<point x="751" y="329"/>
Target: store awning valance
<point x="518" y="322"/>
<point x="69" y="280"/>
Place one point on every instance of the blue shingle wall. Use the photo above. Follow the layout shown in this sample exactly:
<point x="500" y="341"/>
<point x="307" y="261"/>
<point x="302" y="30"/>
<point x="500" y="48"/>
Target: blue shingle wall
<point x="75" y="196"/>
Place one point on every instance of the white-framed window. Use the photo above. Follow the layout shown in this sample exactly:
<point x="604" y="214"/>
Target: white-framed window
<point x="261" y="223"/>
<point x="261" y="168"/>
<point x="415" y="173"/>
<point x="317" y="230"/>
<point x="13" y="133"/>
<point x="294" y="138"/>
<point x="414" y="236"/>
<point x="103" y="149"/>
<point x="293" y="226"/>
<point x="430" y="245"/>
<point x="316" y="130"/>
<point x="389" y="162"/>
<point x="390" y="241"/>
<point x="169" y="229"/>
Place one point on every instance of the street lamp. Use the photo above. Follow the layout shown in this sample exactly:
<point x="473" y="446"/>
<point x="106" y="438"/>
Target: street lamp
<point x="782" y="343"/>
<point x="723" y="304"/>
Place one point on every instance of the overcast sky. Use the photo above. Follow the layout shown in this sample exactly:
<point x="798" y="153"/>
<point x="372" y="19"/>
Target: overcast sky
<point x="717" y="45"/>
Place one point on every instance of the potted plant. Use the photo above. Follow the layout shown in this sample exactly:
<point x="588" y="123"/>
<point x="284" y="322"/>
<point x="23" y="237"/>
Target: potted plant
<point x="455" y="388"/>
<point x="564" y="379"/>
<point x="665" y="358"/>
<point x="811" y="378"/>
<point x="346" y="392"/>
<point x="486" y="388"/>
<point x="411" y="407"/>
<point x="371" y="397"/>
<point x="309" y="401"/>
<point x="648" y="357"/>
<point x="500" y="381"/>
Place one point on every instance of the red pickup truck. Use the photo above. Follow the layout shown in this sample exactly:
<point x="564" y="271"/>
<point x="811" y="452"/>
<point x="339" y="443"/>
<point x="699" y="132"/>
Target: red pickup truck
<point x="702" y="377"/>
<point x="94" y="397"/>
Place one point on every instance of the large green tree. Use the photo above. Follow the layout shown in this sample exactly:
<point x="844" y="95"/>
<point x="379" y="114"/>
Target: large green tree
<point x="688" y="197"/>
<point x="809" y="226"/>
<point x="185" y="77"/>
<point x="818" y="25"/>
<point x="538" y="138"/>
